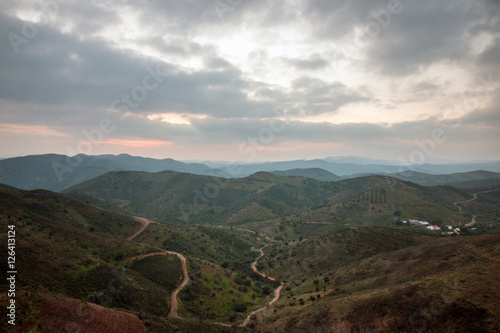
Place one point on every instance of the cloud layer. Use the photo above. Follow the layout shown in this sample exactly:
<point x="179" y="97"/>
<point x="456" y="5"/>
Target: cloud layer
<point x="210" y="79"/>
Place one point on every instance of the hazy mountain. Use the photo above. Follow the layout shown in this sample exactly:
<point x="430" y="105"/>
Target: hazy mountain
<point x="358" y="160"/>
<point x="57" y="172"/>
<point x="314" y="173"/>
<point x="356" y="166"/>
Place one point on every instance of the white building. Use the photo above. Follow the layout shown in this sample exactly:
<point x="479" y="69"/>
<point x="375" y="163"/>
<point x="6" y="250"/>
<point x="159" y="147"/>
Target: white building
<point x="433" y="227"/>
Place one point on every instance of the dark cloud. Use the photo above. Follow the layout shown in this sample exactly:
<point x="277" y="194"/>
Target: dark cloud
<point x="71" y="72"/>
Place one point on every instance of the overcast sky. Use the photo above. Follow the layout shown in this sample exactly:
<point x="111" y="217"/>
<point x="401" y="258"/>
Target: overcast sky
<point x="251" y="80"/>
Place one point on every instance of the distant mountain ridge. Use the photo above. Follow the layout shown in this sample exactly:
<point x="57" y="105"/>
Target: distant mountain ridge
<point x="342" y="168"/>
<point x="57" y="172"/>
<point x="314" y="173"/>
<point x="478" y="178"/>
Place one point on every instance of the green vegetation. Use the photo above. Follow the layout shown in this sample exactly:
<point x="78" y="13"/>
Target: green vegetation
<point x="345" y="262"/>
<point x="219" y="294"/>
<point x="189" y="199"/>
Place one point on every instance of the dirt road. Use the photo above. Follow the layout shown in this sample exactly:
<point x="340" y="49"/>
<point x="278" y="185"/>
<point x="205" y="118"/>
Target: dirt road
<point x="174" y="304"/>
<point x="144" y="224"/>
<point x="185" y="279"/>
<point x="472" y="199"/>
<point x="277" y="292"/>
<point x="473" y="221"/>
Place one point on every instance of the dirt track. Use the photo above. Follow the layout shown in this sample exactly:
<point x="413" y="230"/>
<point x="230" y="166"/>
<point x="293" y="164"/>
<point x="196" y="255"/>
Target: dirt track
<point x="185" y="280"/>
<point x="144" y="224"/>
<point x="473" y="221"/>
<point x="174" y="304"/>
<point x="277" y="292"/>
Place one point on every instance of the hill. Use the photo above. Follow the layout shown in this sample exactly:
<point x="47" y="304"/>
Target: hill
<point x="57" y="172"/>
<point x="68" y="251"/>
<point x="459" y="180"/>
<point x="376" y="200"/>
<point x="86" y="273"/>
<point x="314" y="173"/>
<point x="384" y="279"/>
<point x="181" y="198"/>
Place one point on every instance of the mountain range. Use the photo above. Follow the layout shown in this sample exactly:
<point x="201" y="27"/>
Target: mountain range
<point x="57" y="172"/>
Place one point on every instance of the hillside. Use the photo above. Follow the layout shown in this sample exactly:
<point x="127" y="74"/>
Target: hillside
<point x="83" y="265"/>
<point x="373" y="279"/>
<point x="76" y="252"/>
<point x="181" y="198"/>
<point x="314" y="173"/>
<point x="189" y="199"/>
<point x="375" y="200"/>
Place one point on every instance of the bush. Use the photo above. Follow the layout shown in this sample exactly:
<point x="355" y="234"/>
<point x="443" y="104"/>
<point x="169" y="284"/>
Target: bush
<point x="240" y="307"/>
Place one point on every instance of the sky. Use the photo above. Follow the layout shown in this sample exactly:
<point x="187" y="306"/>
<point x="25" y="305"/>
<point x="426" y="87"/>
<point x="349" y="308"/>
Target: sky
<point x="251" y="80"/>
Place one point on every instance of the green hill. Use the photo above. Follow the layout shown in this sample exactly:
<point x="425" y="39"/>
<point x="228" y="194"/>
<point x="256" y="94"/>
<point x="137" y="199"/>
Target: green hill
<point x="181" y="198"/>
<point x="375" y="200"/>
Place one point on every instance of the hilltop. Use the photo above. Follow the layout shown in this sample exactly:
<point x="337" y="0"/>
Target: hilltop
<point x="463" y="180"/>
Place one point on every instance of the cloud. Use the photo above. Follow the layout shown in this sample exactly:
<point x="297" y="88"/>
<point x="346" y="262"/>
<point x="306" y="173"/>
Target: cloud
<point x="224" y="78"/>
<point x="313" y="63"/>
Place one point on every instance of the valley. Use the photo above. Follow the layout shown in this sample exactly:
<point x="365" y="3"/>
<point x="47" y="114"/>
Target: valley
<point x="268" y="253"/>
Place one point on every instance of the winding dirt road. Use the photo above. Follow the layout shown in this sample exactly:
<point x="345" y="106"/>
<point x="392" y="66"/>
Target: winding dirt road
<point x="473" y="221"/>
<point x="185" y="279"/>
<point x="472" y="199"/>
<point x="174" y="304"/>
<point x="277" y="292"/>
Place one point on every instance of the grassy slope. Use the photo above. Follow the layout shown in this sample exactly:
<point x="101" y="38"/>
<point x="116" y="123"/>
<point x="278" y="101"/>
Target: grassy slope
<point x="373" y="200"/>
